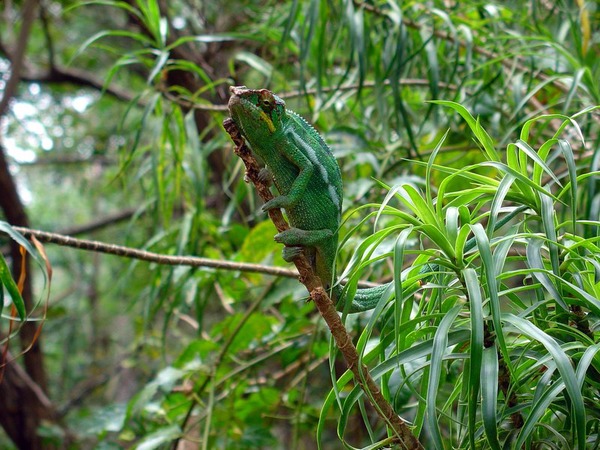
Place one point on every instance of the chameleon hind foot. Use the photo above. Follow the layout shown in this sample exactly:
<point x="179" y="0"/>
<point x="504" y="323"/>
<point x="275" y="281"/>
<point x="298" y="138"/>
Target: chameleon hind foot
<point x="289" y="253"/>
<point x="306" y="238"/>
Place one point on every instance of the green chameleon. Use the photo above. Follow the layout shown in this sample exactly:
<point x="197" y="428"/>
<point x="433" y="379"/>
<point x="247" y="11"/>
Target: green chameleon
<point x="309" y="182"/>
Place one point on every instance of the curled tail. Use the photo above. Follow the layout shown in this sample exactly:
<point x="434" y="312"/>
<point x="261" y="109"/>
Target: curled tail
<point x="364" y="299"/>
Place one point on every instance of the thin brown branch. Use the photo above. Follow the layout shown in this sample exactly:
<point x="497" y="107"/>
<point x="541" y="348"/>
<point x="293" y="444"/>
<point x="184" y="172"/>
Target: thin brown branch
<point x="93" y="226"/>
<point x="47" y="36"/>
<point x="66" y="240"/>
<point x="169" y="260"/>
<point x="418" y="82"/>
<point x="401" y="431"/>
<point x="78" y="77"/>
<point x="61" y="75"/>
<point x="444" y="35"/>
<point x="103" y="222"/>
<point x="69" y="160"/>
<point x="18" y="57"/>
<point x="349" y="87"/>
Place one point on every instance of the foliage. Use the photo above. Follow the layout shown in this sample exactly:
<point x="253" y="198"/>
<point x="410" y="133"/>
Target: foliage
<point x="447" y="119"/>
<point x="514" y="315"/>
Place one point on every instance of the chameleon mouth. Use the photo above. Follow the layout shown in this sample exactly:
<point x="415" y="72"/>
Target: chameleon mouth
<point x="237" y="103"/>
<point x="240" y="108"/>
<point x="234" y="101"/>
<point x="238" y="90"/>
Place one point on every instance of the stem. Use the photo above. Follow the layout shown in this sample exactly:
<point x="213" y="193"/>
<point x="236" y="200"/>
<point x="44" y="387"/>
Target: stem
<point x="403" y="433"/>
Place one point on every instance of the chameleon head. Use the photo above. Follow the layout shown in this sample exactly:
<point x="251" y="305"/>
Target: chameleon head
<point x="258" y="113"/>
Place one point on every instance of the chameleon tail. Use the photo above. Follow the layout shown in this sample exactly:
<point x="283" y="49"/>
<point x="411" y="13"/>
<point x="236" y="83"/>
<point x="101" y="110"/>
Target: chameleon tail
<point x="364" y="299"/>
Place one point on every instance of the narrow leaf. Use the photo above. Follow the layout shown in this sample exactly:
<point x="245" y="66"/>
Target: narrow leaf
<point x="6" y="279"/>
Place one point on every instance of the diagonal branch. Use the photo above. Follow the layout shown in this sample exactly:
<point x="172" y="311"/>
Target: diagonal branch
<point x="18" y="59"/>
<point x="402" y="433"/>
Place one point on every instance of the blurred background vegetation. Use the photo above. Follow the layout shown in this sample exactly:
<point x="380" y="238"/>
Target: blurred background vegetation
<point x="111" y="129"/>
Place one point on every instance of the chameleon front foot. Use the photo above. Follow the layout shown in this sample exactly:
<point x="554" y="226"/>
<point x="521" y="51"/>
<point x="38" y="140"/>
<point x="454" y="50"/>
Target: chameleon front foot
<point x="280" y="201"/>
<point x="265" y="176"/>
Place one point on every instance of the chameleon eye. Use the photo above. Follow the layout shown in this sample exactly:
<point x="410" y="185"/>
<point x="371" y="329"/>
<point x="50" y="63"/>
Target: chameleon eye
<point x="266" y="103"/>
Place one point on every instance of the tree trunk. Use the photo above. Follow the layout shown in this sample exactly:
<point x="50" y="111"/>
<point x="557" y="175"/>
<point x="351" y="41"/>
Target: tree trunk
<point x="23" y="407"/>
<point x="21" y="411"/>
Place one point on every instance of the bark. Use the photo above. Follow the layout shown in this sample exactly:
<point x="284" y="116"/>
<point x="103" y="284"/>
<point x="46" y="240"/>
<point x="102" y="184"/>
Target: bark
<point x="21" y="410"/>
<point x="23" y="407"/>
<point x="15" y="214"/>
<point x="214" y="63"/>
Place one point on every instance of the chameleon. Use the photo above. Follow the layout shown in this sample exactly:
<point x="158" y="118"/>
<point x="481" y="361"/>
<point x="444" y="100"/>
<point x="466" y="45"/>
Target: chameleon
<point x="309" y="183"/>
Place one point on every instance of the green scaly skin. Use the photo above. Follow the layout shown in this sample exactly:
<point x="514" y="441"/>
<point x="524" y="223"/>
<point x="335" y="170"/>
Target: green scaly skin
<point x="309" y="182"/>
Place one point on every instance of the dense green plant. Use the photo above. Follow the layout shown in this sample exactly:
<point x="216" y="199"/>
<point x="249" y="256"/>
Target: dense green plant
<point x="498" y="347"/>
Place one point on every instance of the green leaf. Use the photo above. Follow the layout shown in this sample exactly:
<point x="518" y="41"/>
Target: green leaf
<point x="440" y="345"/>
<point x="534" y="259"/>
<point x="159" y="437"/>
<point x="207" y="39"/>
<point x="563" y="363"/>
<point x="399" y="249"/>
<point x="485" y="252"/>
<point x="257" y="63"/>
<point x="489" y="395"/>
<point x="504" y="168"/>
<point x="476" y="346"/>
<point x="158" y="66"/>
<point x="116" y="4"/>
<point x="481" y="135"/>
<point x="524" y="147"/>
<point x="497" y="202"/>
<point x="105" y="33"/>
<point x="6" y="279"/>
<point x="5" y="227"/>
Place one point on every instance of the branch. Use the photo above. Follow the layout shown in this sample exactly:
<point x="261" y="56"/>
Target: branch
<point x="158" y="258"/>
<point x="100" y="223"/>
<point x="191" y="104"/>
<point x="69" y="160"/>
<point x="169" y="260"/>
<point x="18" y="58"/>
<point x="79" y="78"/>
<point x="47" y="36"/>
<point x="506" y="62"/>
<point x="401" y="430"/>
<point x="93" y="225"/>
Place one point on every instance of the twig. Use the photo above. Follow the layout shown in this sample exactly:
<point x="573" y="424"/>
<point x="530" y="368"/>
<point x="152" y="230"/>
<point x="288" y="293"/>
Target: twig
<point x="285" y="95"/>
<point x="80" y="77"/>
<point x="401" y="430"/>
<point x="158" y="258"/>
<point x="18" y="57"/>
<point x="444" y="35"/>
<point x="134" y="253"/>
